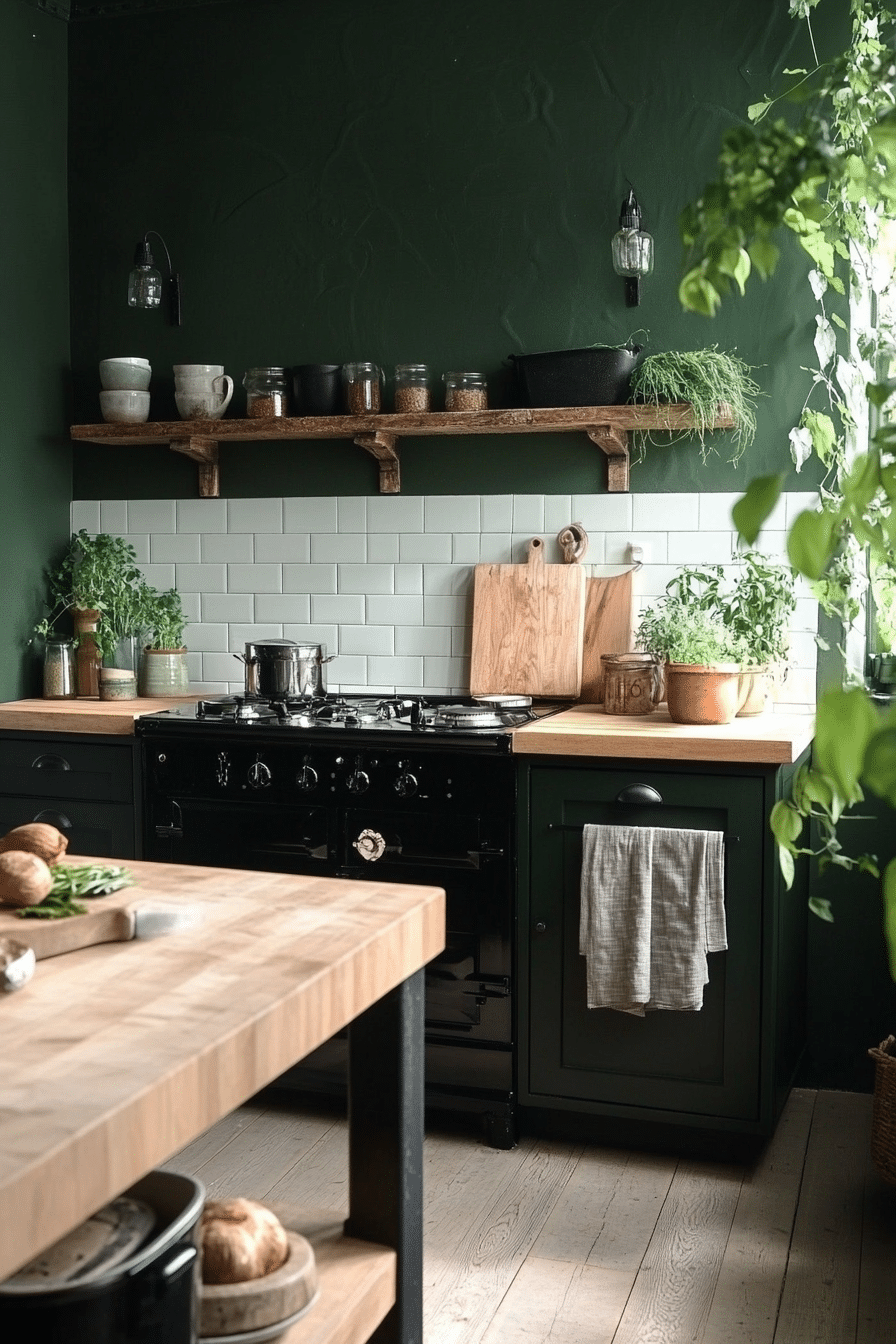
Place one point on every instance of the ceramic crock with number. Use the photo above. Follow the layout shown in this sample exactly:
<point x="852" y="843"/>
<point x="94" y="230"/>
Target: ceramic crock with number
<point x="633" y="683"/>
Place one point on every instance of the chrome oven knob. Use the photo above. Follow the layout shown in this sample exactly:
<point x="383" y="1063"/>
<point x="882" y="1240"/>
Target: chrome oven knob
<point x="358" y="781"/>
<point x="259" y="774"/>
<point x="370" y="845"/>
<point x="306" y="779"/>
<point x="406" y="785"/>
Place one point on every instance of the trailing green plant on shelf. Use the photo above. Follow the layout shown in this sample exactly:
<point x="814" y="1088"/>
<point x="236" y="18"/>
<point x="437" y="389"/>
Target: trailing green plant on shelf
<point x="706" y="379"/>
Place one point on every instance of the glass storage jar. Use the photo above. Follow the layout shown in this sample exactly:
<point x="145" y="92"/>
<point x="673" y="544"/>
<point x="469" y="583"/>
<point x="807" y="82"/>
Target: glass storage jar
<point x="411" y="388"/>
<point x="363" y="388"/>
<point x="465" y="391"/>
<point x="265" y="392"/>
<point x="59" y="668"/>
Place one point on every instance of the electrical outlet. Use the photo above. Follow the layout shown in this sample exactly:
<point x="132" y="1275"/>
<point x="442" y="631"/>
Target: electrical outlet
<point x="639" y="551"/>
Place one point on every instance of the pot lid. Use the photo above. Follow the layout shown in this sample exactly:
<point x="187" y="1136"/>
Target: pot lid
<point x="89" y="1251"/>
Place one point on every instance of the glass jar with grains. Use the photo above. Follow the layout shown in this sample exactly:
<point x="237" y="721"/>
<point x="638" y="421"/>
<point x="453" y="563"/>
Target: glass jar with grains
<point x="465" y="391"/>
<point x="363" y="388"/>
<point x="411" y="388"/>
<point x="265" y="392"/>
<point x="59" y="668"/>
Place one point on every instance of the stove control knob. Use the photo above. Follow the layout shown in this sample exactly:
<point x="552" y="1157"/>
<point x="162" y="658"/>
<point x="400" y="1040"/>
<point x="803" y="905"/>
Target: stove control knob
<point x="306" y="779"/>
<point x="406" y="785"/>
<point x="370" y="845"/>
<point x="259" y="774"/>
<point x="358" y="781"/>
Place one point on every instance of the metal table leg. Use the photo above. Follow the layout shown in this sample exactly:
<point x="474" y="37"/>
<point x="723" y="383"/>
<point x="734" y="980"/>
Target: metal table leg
<point x="385" y="1122"/>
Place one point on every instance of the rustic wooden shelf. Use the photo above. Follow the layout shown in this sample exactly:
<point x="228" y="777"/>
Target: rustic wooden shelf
<point x="607" y="426"/>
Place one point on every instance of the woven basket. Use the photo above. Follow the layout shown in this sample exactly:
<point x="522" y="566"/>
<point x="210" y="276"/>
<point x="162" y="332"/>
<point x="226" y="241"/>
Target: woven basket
<point x="883" y="1114"/>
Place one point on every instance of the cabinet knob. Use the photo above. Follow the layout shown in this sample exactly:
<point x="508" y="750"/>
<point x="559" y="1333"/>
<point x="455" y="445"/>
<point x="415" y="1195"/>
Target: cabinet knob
<point x="541" y="928"/>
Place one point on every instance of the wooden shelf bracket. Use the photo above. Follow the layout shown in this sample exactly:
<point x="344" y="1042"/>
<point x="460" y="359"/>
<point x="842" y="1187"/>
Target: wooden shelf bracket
<point x="384" y="447"/>
<point x="205" y="452"/>
<point x="614" y="443"/>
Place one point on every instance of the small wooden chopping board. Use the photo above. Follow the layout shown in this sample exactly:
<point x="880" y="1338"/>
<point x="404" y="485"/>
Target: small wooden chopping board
<point x="608" y="629"/>
<point x="528" y="622"/>
<point x="109" y="919"/>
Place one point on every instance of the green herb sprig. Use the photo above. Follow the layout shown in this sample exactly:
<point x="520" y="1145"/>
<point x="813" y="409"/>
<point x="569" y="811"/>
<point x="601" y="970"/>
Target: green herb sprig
<point x="71" y="882"/>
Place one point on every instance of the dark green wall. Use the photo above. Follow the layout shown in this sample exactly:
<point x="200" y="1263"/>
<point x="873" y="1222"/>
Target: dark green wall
<point x="413" y="182"/>
<point x="35" y="453"/>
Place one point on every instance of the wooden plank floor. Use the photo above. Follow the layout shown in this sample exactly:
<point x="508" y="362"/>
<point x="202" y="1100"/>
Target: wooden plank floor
<point x="570" y="1243"/>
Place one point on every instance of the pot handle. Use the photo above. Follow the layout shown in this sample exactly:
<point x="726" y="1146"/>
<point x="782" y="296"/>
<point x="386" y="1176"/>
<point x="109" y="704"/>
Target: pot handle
<point x="241" y="657"/>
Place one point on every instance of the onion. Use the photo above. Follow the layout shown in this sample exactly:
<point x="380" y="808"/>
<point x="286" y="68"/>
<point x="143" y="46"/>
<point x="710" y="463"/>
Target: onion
<point x="241" y="1239"/>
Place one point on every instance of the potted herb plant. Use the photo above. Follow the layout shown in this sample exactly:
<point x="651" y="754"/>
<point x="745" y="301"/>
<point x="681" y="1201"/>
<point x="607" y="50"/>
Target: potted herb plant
<point x="94" y="580"/>
<point x="756" y="606"/>
<point x="164" y="664"/>
<point x="706" y="379"/>
<point x="702" y="659"/>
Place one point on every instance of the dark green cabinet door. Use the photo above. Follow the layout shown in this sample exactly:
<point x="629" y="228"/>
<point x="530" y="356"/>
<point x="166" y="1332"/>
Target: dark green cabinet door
<point x="682" y="1064"/>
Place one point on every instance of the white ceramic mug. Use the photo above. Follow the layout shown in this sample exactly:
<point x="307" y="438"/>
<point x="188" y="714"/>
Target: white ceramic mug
<point x="208" y="400"/>
<point x="197" y="370"/>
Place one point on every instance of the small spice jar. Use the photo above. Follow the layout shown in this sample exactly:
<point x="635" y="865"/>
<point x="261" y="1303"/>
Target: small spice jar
<point x="411" y="388"/>
<point x="465" y="391"/>
<point x="59" y="668"/>
<point x="265" y="392"/>
<point x="363" y="388"/>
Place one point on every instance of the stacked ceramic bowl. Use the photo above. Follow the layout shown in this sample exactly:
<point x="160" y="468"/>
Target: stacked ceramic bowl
<point x="125" y="395"/>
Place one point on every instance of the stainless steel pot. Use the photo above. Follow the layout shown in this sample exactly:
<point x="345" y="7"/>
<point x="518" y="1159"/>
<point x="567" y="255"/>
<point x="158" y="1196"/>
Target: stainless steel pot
<point x="279" y="669"/>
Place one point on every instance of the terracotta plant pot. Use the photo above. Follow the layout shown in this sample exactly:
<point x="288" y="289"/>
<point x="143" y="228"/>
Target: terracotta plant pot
<point x="702" y="694"/>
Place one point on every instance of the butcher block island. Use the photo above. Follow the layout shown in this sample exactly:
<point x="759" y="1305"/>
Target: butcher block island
<point x="122" y="1053"/>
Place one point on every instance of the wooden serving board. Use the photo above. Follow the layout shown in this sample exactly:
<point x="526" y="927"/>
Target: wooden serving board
<point x="109" y="919"/>
<point x="528" y="622"/>
<point x="608" y="629"/>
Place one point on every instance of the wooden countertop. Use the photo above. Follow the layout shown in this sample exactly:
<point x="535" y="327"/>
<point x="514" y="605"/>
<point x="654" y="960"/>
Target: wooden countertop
<point x="118" y="1055"/>
<point x="84" y="716"/>
<point x="586" y="731"/>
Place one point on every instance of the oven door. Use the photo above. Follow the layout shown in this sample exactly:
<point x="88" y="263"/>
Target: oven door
<point x="467" y="985"/>
<point x="217" y="833"/>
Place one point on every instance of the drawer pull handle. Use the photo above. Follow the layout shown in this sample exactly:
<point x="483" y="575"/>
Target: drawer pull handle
<point x="639" y="795"/>
<point x="57" y="819"/>
<point x="50" y="762"/>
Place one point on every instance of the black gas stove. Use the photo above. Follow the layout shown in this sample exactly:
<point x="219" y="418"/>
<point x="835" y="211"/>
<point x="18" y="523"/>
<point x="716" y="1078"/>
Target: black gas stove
<point x="396" y="789"/>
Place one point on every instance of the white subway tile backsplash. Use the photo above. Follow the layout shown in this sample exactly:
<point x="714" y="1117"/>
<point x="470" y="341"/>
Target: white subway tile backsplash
<point x="395" y="513"/>
<point x="496" y="513"/>
<point x="150" y="515"/>
<point x="386" y="582"/>
<point x="235" y="548"/>
<point x="425" y="547"/>
<point x="281" y="607"/>
<point x="367" y="639"/>
<point x="310" y="515"/>
<point x="347" y="609"/>
<point x="255" y="578"/>
<point x="309" y="578"/>
<point x="114" y="518"/>
<point x="228" y="607"/>
<point x="365" y="578"/>
<point x="338" y="547"/>
<point x="202" y="515"/>
<point x="85" y="515"/>
<point x="400" y="609"/>
<point x="351" y="514"/>
<point x="451" y="513"/>
<point x="255" y="515"/>
<point x="173" y="548"/>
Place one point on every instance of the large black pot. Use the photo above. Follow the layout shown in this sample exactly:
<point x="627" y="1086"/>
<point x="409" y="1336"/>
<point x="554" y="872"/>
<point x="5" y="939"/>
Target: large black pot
<point x="591" y="377"/>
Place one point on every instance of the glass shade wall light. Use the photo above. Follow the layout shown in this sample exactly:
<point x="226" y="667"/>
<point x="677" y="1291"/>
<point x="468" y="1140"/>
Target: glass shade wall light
<point x="632" y="250"/>
<point x="145" y="282"/>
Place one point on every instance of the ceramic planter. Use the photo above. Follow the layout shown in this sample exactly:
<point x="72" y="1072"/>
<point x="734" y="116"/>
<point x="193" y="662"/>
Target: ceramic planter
<point x="707" y="694"/>
<point x="163" y="673"/>
<point x="754" y="689"/>
<point x="117" y="683"/>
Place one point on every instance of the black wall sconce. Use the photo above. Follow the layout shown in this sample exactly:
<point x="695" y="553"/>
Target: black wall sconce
<point x="632" y="250"/>
<point x="145" y="282"/>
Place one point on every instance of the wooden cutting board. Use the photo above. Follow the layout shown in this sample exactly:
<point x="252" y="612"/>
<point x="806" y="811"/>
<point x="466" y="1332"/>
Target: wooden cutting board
<point x="608" y="629"/>
<point x="109" y="919"/>
<point x="528" y="622"/>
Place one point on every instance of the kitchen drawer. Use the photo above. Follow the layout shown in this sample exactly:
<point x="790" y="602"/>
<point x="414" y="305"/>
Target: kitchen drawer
<point x="103" y="829"/>
<point x="64" y="767"/>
